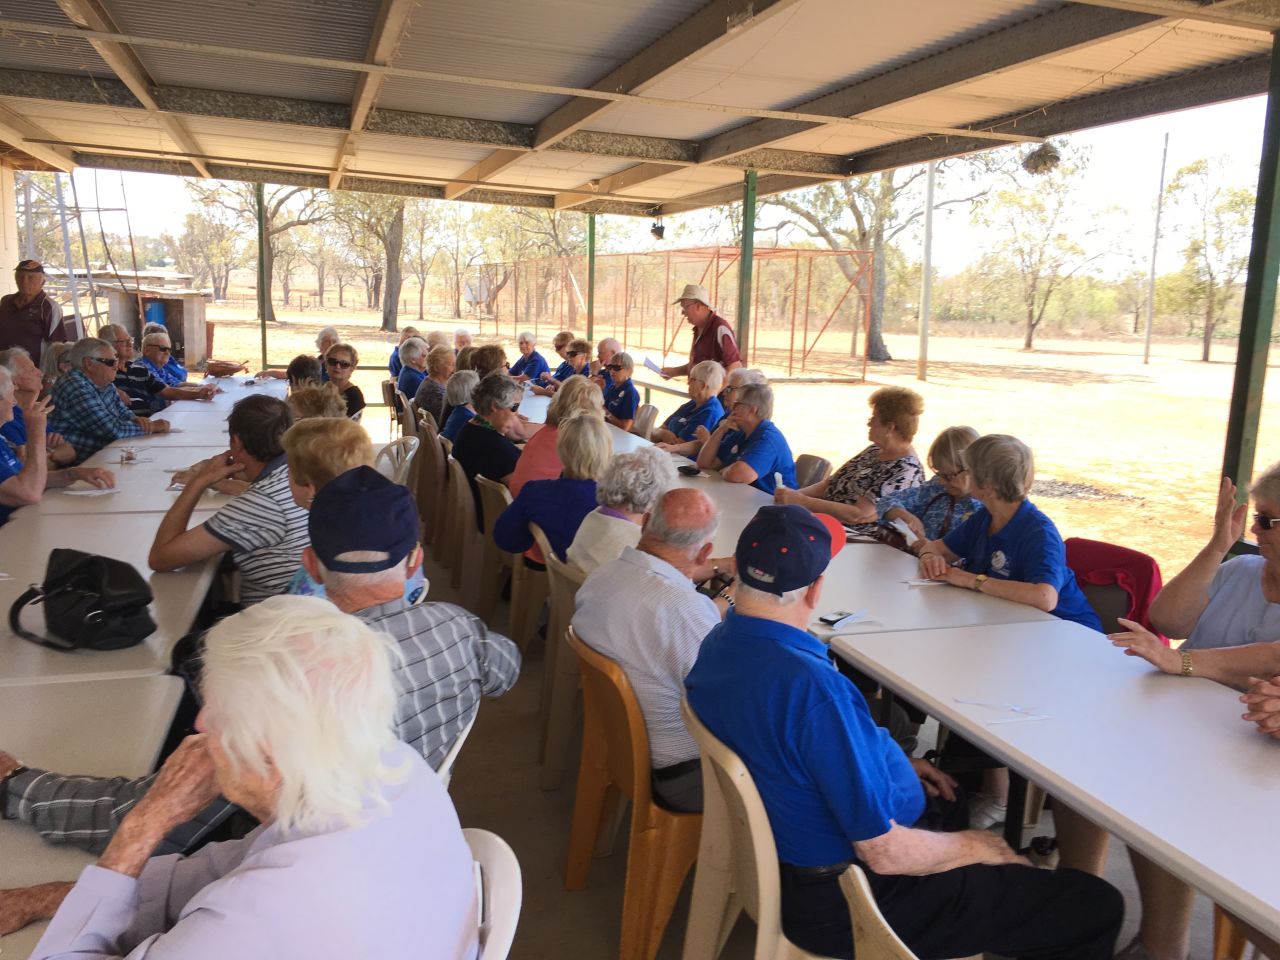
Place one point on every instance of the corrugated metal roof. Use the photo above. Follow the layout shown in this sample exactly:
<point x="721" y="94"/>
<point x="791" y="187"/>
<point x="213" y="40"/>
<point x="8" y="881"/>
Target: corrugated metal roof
<point x="777" y="59"/>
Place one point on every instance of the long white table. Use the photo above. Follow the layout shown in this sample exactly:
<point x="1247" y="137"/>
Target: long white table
<point x="27" y="541"/>
<point x="142" y="486"/>
<point x="103" y="728"/>
<point x="1165" y="763"/>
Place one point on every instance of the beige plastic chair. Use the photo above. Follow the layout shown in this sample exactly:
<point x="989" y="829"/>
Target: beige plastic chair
<point x="646" y="413"/>
<point x="427" y="481"/>
<point x="738" y="869"/>
<point x="395" y="460"/>
<point x="462" y="523"/>
<point x="389" y="398"/>
<point x="529" y="592"/>
<point x="615" y="765"/>
<point x="404" y="414"/>
<point x="559" y="673"/>
<point x="811" y="469"/>
<point x="499" y="890"/>
<point x="494" y="498"/>
<point x="445" y="770"/>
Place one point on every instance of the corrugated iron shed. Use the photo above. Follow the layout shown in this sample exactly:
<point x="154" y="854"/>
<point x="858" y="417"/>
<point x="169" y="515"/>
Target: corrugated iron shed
<point x="626" y="106"/>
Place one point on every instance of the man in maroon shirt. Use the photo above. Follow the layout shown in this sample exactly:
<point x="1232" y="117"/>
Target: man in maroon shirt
<point x="28" y="318"/>
<point x="712" y="336"/>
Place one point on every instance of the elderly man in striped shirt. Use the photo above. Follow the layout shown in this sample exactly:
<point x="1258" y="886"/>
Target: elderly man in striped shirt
<point x="363" y="549"/>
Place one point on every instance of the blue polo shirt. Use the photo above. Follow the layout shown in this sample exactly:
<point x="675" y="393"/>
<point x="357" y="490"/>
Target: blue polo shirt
<point x="622" y="399"/>
<point x="684" y="423"/>
<point x="15" y="431"/>
<point x="827" y="774"/>
<point x="394" y="364"/>
<point x="1028" y="549"/>
<point x="765" y="451"/>
<point x="563" y="372"/>
<point x="533" y="366"/>
<point x="10" y="466"/>
<point x="409" y="381"/>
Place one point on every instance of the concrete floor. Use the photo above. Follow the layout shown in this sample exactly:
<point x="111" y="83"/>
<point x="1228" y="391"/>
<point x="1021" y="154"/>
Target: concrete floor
<point x="495" y="786"/>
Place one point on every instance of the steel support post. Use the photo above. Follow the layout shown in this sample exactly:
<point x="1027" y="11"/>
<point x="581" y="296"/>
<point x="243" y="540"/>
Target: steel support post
<point x="263" y="293"/>
<point x="591" y="277"/>
<point x="745" y="256"/>
<point x="1259" y="298"/>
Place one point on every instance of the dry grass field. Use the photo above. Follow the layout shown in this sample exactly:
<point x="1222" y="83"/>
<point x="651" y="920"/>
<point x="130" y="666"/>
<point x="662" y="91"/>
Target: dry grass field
<point x="1125" y="452"/>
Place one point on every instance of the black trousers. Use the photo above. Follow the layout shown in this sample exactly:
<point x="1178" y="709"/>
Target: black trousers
<point x="1012" y="910"/>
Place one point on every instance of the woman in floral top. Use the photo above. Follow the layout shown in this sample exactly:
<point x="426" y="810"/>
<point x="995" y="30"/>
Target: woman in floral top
<point x="890" y="464"/>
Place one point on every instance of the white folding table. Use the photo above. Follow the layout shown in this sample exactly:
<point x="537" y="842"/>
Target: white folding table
<point x="104" y="728"/>
<point x="1163" y="762"/>
<point x="142" y="485"/>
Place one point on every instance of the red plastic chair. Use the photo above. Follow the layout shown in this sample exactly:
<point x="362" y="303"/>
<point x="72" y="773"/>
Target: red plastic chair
<point x="1117" y="581"/>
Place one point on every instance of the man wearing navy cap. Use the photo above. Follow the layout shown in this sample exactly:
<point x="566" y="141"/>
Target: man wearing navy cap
<point x="29" y="318"/>
<point x="839" y="790"/>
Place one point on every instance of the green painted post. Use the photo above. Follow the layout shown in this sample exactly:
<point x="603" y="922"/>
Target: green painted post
<point x="263" y="292"/>
<point x="1259" y="305"/>
<point x="745" y="257"/>
<point x="591" y="277"/>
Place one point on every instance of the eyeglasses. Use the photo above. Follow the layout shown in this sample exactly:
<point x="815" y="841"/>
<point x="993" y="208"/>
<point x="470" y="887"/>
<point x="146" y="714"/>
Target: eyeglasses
<point x="948" y="477"/>
<point x="1264" y="522"/>
<point x="159" y="349"/>
<point x="335" y="362"/>
<point x="105" y="361"/>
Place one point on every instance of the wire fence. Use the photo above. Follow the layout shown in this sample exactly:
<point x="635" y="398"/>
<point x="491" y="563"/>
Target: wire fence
<point x="806" y="305"/>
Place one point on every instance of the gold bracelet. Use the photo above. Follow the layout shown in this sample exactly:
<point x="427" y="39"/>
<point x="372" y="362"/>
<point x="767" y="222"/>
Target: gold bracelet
<point x="1188" y="670"/>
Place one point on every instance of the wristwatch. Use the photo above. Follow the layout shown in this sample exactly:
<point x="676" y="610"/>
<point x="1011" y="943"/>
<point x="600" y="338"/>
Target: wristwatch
<point x="979" y="580"/>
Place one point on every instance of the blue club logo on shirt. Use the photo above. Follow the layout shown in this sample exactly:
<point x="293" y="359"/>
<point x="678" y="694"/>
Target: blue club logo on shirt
<point x="999" y="561"/>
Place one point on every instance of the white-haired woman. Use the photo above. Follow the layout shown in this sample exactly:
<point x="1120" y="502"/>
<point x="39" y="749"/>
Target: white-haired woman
<point x="632" y="484"/>
<point x="457" y="401"/>
<point x="393" y="364"/>
<point x="621" y="398"/>
<point x="558" y="506"/>
<point x="938" y="506"/>
<point x="679" y="433"/>
<point x="531" y="365"/>
<point x="461" y="339"/>
<point x="359" y="853"/>
<point x="413" y="357"/>
<point x="1009" y="548"/>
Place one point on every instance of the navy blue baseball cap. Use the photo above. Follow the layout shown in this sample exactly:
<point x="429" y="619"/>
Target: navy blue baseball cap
<point x="786" y="547"/>
<point x="361" y="510"/>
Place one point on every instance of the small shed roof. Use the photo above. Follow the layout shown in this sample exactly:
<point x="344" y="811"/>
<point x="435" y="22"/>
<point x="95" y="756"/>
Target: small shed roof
<point x="643" y="107"/>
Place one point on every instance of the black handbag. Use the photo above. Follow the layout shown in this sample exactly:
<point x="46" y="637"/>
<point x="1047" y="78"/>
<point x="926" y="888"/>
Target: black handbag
<point x="90" y="603"/>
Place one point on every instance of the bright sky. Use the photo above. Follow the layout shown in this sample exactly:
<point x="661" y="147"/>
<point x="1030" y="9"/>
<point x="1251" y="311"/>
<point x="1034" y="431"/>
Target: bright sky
<point x="1124" y="172"/>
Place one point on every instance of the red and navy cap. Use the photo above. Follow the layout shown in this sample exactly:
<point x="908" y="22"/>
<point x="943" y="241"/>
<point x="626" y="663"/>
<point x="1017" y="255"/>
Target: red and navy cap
<point x="786" y="547"/>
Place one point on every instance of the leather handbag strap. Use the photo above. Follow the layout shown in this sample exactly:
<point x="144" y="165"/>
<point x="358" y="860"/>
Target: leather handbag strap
<point x="34" y="594"/>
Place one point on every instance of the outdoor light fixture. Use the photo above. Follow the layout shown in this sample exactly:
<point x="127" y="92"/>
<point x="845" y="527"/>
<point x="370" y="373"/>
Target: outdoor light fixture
<point x="658" y="230"/>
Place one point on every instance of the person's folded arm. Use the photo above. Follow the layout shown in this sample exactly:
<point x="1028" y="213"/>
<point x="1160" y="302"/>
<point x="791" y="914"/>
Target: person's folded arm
<point x="174" y="545"/>
<point x="906" y="851"/>
<point x="709" y="454"/>
<point x="740" y="472"/>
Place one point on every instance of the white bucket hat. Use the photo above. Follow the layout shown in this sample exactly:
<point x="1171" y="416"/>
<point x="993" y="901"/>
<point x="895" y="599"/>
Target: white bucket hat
<point x="694" y="291"/>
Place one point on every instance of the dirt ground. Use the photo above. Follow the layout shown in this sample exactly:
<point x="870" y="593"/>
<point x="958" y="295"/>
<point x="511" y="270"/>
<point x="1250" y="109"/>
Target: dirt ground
<point x="1124" y="452"/>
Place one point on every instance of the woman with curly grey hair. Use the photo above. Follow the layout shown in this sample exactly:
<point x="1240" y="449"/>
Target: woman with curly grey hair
<point x="631" y="485"/>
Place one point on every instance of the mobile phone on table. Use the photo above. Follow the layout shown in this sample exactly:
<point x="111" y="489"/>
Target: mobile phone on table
<point x="689" y="469"/>
<point x="834" y="617"/>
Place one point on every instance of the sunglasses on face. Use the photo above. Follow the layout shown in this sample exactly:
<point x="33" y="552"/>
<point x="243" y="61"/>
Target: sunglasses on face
<point x="514" y="407"/>
<point x="613" y="366"/>
<point x="573" y="353"/>
<point x="1264" y="522"/>
<point x="105" y="361"/>
<point x="335" y="362"/>
<point x="162" y="349"/>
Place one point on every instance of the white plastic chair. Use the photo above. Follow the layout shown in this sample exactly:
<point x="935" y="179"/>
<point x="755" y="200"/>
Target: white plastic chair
<point x="498" y="889"/>
<point x="396" y="458"/>
<point x="445" y="770"/>
<point x="738" y="869"/>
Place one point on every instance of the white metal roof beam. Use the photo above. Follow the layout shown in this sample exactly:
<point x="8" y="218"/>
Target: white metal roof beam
<point x="92" y="15"/>
<point x="1045" y="36"/>
<point x="388" y="31"/>
<point x="696" y="36"/>
<point x="1254" y="14"/>
<point x="19" y="132"/>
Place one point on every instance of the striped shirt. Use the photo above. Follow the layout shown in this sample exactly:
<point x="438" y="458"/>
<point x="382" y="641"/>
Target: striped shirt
<point x="447" y="660"/>
<point x="267" y="532"/>
<point x="647" y="616"/>
<point x="90" y="417"/>
<point x="143" y="388"/>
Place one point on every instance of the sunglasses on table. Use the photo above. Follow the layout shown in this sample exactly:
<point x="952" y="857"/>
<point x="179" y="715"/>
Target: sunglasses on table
<point x="335" y="362"/>
<point x="1264" y="522"/>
